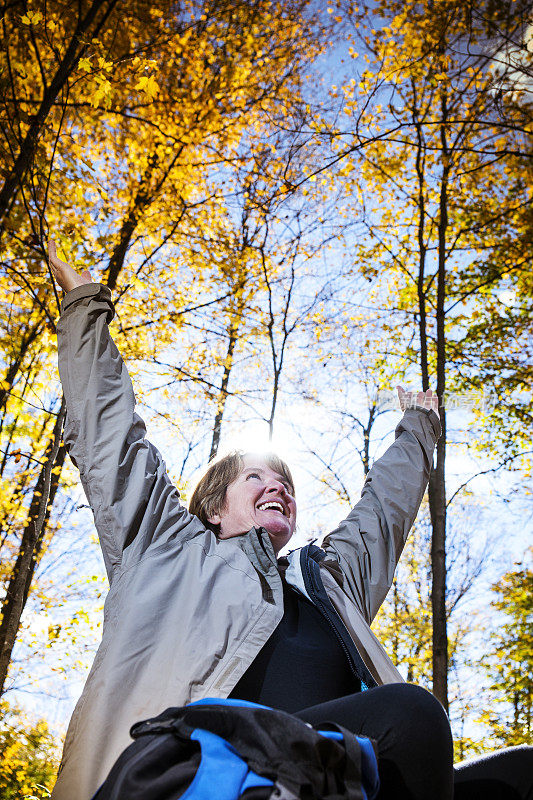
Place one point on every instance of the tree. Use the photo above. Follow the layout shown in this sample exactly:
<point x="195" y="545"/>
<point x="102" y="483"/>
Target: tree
<point x="404" y="622"/>
<point x="442" y="183"/>
<point x="29" y="755"/>
<point x="509" y="662"/>
<point x="31" y="544"/>
<point x="55" y="38"/>
<point x="144" y="112"/>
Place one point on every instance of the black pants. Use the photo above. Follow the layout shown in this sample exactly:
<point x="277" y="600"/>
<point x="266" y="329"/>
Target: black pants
<point x="415" y="751"/>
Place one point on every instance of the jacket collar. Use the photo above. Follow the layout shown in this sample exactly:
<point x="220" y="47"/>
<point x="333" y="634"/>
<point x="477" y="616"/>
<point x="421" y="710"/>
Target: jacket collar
<point x="258" y="547"/>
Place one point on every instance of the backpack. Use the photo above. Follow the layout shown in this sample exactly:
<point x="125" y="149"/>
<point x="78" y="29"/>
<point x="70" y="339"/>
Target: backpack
<point x="228" y="749"/>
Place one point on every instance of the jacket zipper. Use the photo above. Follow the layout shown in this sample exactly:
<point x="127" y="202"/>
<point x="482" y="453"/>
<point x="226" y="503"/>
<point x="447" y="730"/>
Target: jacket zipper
<point x="331" y="620"/>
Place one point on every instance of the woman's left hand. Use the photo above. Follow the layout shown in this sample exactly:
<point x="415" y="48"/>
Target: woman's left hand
<point x="427" y="400"/>
<point x="65" y="275"/>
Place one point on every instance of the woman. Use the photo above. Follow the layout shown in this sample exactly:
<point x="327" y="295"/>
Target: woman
<point x="199" y="605"/>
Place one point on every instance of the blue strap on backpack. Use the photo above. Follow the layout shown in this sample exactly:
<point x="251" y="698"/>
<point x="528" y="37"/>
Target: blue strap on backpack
<point x="231" y="749"/>
<point x="222" y="767"/>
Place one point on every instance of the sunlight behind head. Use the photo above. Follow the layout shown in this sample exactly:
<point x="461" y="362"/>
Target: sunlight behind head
<point x="249" y="442"/>
<point x="253" y="438"/>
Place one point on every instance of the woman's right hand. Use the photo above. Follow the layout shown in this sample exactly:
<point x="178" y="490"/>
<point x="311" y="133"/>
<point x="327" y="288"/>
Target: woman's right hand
<point x="65" y="275"/>
<point x="428" y="400"/>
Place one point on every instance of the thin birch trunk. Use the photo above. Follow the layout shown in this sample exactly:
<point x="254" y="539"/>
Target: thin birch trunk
<point x="31" y="545"/>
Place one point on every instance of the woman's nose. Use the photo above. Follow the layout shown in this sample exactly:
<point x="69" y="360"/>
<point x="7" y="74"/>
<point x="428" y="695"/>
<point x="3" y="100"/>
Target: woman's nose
<point x="274" y="485"/>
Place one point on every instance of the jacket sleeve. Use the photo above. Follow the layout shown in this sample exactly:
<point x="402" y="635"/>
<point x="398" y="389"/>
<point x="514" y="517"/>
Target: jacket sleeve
<point x="367" y="545"/>
<point x="123" y="475"/>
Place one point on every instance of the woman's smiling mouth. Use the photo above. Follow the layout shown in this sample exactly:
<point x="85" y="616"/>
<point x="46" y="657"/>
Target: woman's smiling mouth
<point x="273" y="505"/>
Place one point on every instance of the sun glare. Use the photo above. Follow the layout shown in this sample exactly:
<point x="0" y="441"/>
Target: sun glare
<point x="253" y="438"/>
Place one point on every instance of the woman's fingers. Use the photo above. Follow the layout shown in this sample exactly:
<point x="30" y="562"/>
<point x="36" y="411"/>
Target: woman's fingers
<point x="404" y="397"/>
<point x="52" y="255"/>
<point x="427" y="399"/>
<point x="65" y="275"/>
<point x="57" y="266"/>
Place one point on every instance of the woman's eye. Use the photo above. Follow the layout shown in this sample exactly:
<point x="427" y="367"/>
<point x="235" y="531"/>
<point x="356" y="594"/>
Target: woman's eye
<point x="253" y="475"/>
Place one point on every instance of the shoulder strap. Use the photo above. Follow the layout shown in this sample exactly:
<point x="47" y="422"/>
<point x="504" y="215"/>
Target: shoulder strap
<point x="220" y="767"/>
<point x="361" y="767"/>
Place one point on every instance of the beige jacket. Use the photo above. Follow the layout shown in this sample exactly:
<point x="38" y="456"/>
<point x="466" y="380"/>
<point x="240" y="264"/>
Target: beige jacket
<point x="186" y="614"/>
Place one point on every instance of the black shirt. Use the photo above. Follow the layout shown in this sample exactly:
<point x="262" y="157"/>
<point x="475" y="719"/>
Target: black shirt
<point x="302" y="664"/>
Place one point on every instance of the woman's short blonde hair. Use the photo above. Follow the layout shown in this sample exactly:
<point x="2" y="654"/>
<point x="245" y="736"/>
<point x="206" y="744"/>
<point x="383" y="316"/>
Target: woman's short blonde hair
<point x="210" y="494"/>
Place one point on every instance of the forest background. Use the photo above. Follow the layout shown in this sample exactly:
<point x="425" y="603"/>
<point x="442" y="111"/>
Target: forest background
<point x="297" y="206"/>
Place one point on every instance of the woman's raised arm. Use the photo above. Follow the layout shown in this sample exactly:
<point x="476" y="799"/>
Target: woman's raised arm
<point x="135" y="505"/>
<point x="368" y="543"/>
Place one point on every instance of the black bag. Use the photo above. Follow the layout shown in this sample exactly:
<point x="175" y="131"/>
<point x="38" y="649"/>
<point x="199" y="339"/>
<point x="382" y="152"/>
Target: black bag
<point x="228" y="749"/>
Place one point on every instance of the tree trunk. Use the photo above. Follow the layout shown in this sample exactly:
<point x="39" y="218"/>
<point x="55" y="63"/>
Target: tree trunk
<point x="437" y="486"/>
<point x="437" y="481"/>
<point x="142" y="199"/>
<point x="223" y="394"/>
<point x="422" y="252"/>
<point x="145" y="196"/>
<point x="437" y="507"/>
<point x="31" y="544"/>
<point x="275" y="391"/>
<point x="116" y="262"/>
<point x="367" y="430"/>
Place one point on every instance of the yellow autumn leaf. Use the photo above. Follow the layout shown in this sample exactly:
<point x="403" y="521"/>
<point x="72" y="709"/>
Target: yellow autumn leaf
<point x="103" y="64"/>
<point x="148" y="85"/>
<point x="31" y="18"/>
<point x="102" y="94"/>
<point x="85" y="64"/>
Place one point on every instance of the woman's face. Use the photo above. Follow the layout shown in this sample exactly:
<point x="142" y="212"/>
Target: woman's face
<point x="258" y="497"/>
